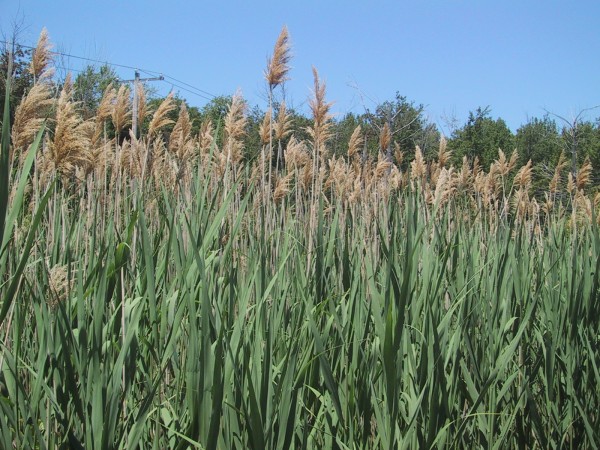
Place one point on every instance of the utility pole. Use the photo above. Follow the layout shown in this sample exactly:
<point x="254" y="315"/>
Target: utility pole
<point x="136" y="81"/>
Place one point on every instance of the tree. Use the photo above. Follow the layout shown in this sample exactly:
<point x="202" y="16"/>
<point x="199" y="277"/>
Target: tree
<point x="573" y="132"/>
<point x="408" y="125"/>
<point x="90" y="85"/>
<point x="342" y="130"/>
<point x="22" y="79"/>
<point x="539" y="141"/>
<point x="481" y="137"/>
<point x="584" y="139"/>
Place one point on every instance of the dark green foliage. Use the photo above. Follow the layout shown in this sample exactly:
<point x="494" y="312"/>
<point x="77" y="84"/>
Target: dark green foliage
<point x="408" y="125"/>
<point x="89" y="87"/>
<point x="481" y="137"/>
<point x="22" y="80"/>
<point x="540" y="142"/>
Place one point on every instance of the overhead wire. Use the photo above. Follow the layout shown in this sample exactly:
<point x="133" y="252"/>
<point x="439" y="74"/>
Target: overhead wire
<point x="174" y="81"/>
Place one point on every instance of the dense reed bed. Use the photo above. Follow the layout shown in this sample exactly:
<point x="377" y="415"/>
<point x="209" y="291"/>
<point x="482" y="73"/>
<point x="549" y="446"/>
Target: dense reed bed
<point x="180" y="294"/>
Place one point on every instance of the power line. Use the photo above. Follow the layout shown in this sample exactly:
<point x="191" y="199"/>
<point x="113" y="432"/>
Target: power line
<point x="200" y="92"/>
<point x="191" y="92"/>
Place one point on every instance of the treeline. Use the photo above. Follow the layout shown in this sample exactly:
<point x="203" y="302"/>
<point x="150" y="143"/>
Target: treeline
<point x="402" y="122"/>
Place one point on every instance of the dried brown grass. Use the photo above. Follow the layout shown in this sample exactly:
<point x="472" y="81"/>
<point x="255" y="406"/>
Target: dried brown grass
<point x="235" y="129"/>
<point x="121" y="113"/>
<point x="320" y="131"/>
<point x="418" y="167"/>
<point x="160" y="118"/>
<point x="278" y="65"/>
<point x="70" y="148"/>
<point x="583" y="175"/>
<point x="31" y="113"/>
<point x="385" y="138"/>
<point x="42" y="58"/>
<point x="265" y="129"/>
<point x="283" y="125"/>
<point x="355" y="143"/>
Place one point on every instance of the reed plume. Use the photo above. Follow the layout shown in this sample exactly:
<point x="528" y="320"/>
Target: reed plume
<point x="383" y="167"/>
<point x="42" y="58"/>
<point x="235" y="128"/>
<point x="30" y="115"/>
<point x="160" y="118"/>
<point x="385" y="138"/>
<point x="296" y="154"/>
<point x="523" y="177"/>
<point x="339" y="179"/>
<point x="283" y="125"/>
<point x="417" y="166"/>
<point x="583" y="176"/>
<point x="265" y="129"/>
<point x="121" y="113"/>
<point x="282" y="187"/>
<point x="70" y="148"/>
<point x="398" y="154"/>
<point x="355" y="143"/>
<point x="181" y="143"/>
<point x="562" y="163"/>
<point x="444" y="154"/>
<point x="278" y="64"/>
<point x="104" y="111"/>
<point x="142" y="106"/>
<point x="444" y="187"/>
<point x="320" y="132"/>
<point x="206" y="136"/>
<point x="101" y="154"/>
<point x="570" y="183"/>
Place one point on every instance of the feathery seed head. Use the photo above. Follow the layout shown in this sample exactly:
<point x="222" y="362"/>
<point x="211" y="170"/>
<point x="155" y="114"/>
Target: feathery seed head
<point x="235" y="125"/>
<point x="265" y="128"/>
<point x="523" y="177"/>
<point x="418" y="165"/>
<point x="42" y="58"/>
<point x="283" y="124"/>
<point x="355" y="143"/>
<point x="398" y="154"/>
<point x="30" y="115"/>
<point x="443" y="153"/>
<point x="278" y="65"/>
<point x="121" y="113"/>
<point x="583" y="176"/>
<point x="385" y="138"/>
<point x="181" y="143"/>
<point x="160" y="117"/>
<point x="321" y="129"/>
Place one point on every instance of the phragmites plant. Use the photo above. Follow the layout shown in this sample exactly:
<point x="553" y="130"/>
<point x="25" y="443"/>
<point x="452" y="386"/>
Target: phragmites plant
<point x="234" y="128"/>
<point x="278" y="64"/>
<point x="121" y="112"/>
<point x="34" y="109"/>
<point x="266" y="128"/>
<point x="385" y="138"/>
<point x="68" y="153"/>
<point x="583" y="176"/>
<point x="142" y="106"/>
<point x="160" y="118"/>
<point x="320" y="131"/>
<point x="36" y="106"/>
<point x="175" y="295"/>
<point x="42" y="59"/>
<point x="355" y="143"/>
<point x="418" y="166"/>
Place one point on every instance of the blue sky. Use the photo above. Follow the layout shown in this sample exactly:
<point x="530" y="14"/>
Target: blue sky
<point x="518" y="57"/>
